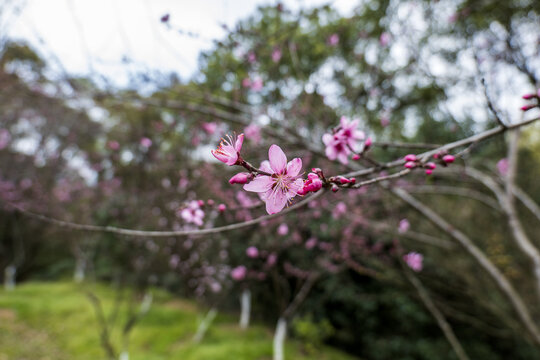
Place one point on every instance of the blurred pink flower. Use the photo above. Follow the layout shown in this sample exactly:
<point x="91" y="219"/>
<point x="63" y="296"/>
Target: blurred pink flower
<point x="333" y="40"/>
<point x="253" y="133"/>
<point x="5" y="138"/>
<point x="246" y="82"/>
<point x="502" y="166"/>
<point x="210" y="127"/>
<point x="252" y="252"/>
<point x="283" y="229"/>
<point x="251" y="57"/>
<point x="113" y="145"/>
<point x="257" y="84"/>
<point x="384" y="39"/>
<point x="276" y="55"/>
<point x="146" y="142"/>
<point x="414" y="260"/>
<point x="227" y="152"/>
<point x="272" y="259"/>
<point x="193" y="213"/>
<point x="311" y="243"/>
<point x="339" y="210"/>
<point x="239" y="273"/>
<point x="283" y="184"/>
<point x="404" y="226"/>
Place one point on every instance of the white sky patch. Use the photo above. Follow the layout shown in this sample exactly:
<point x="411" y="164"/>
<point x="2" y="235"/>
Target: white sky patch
<point x="95" y="36"/>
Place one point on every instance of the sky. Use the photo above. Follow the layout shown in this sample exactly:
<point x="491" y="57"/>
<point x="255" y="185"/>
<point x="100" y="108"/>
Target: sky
<point x="94" y="36"/>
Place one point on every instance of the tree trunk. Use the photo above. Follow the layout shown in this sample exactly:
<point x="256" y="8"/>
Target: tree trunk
<point x="245" y="302"/>
<point x="279" y="339"/>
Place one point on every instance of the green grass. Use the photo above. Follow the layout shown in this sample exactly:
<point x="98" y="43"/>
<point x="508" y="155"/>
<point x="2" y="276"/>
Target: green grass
<point x="56" y="321"/>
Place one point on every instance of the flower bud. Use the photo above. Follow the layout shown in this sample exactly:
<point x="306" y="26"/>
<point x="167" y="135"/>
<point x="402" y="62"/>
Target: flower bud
<point x="527" y="107"/>
<point x="528" y="96"/>
<point x="431" y="165"/>
<point x="429" y="171"/>
<point x="240" y="178"/>
<point x="222" y="207"/>
<point x="356" y="157"/>
<point x="410" y="157"/>
<point x="368" y="142"/>
<point x="449" y="159"/>
<point x="410" y="165"/>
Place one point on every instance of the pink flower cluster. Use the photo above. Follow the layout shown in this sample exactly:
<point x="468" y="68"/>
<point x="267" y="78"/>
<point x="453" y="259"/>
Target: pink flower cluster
<point x="344" y="140"/>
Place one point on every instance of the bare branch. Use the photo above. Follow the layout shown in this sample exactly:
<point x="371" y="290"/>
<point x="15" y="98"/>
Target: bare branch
<point x="502" y="282"/>
<point x="439" y="317"/>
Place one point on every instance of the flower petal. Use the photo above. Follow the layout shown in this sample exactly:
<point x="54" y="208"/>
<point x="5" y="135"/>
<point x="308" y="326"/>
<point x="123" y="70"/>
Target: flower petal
<point x="327" y="139"/>
<point x="239" y="142"/>
<point x="265" y="166"/>
<point x="275" y="202"/>
<point x="294" y="166"/>
<point x="278" y="160"/>
<point x="259" y="184"/>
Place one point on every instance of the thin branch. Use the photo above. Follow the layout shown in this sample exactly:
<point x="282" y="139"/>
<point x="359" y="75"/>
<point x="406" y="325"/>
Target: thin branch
<point x="143" y="233"/>
<point x="458" y="191"/>
<point x="502" y="282"/>
<point x="301" y="295"/>
<point x="105" y="336"/>
<point x="439" y="317"/>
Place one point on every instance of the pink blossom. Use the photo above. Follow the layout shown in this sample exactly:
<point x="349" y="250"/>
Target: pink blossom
<point x="272" y="259"/>
<point x="222" y="207"/>
<point x="502" y="166"/>
<point x="193" y="213"/>
<point x="404" y="226"/>
<point x="276" y="55"/>
<point x="239" y="273"/>
<point x="113" y="145"/>
<point x="333" y="40"/>
<point x="283" y="183"/>
<point x="414" y="260"/>
<point x="343" y="141"/>
<point x="257" y="84"/>
<point x="252" y="252"/>
<point x="251" y="57"/>
<point x="246" y="82"/>
<point x="5" y="138"/>
<point x="210" y="127"/>
<point x="339" y="210"/>
<point x="146" y="142"/>
<point x="253" y="132"/>
<point x="384" y="39"/>
<point x="283" y="229"/>
<point x="227" y="152"/>
<point x="311" y="243"/>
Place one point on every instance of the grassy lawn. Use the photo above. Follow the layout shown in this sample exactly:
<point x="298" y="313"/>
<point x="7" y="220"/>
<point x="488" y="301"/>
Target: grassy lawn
<point x="56" y="321"/>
